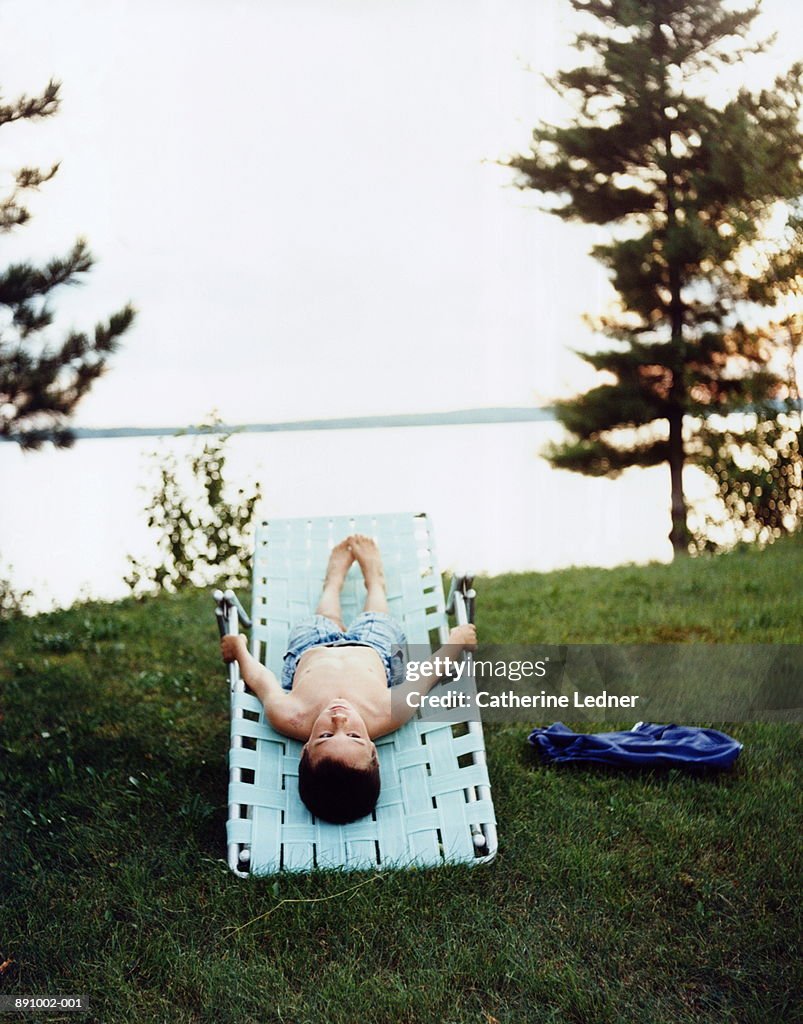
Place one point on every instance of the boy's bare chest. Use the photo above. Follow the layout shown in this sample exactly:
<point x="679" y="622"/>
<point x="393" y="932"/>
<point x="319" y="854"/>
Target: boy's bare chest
<point x="355" y="673"/>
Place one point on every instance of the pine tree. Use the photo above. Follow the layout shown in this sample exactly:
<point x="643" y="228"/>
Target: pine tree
<point x="688" y="188"/>
<point x="41" y="382"/>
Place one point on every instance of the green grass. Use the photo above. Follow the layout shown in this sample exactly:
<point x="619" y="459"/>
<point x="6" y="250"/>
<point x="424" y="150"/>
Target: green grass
<point x="645" y="898"/>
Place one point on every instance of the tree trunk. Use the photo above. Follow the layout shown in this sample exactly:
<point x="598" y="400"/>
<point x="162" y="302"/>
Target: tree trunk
<point x="679" y="534"/>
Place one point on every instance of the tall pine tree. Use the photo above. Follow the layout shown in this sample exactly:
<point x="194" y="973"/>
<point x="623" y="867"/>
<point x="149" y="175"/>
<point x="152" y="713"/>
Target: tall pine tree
<point x="688" y="188"/>
<point x="42" y="381"/>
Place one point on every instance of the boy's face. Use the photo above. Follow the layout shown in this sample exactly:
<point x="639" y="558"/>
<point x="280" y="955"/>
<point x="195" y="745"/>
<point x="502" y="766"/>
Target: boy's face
<point x="340" y="733"/>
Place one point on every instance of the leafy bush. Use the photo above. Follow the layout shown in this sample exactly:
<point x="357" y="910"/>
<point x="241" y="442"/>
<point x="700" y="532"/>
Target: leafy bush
<point x="759" y="477"/>
<point x="13" y="602"/>
<point x="204" y="537"/>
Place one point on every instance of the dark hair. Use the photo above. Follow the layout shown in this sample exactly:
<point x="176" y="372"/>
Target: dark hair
<point x="337" y="792"/>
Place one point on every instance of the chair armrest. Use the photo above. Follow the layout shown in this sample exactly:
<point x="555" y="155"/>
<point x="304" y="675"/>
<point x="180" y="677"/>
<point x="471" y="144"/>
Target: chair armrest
<point x="461" y="598"/>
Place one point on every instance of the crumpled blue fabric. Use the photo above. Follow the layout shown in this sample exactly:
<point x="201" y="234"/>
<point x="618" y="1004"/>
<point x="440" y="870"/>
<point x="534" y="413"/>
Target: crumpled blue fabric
<point x="645" y="744"/>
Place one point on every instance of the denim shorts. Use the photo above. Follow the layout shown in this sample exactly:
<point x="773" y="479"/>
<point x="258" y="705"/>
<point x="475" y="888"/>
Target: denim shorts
<point x="371" y="629"/>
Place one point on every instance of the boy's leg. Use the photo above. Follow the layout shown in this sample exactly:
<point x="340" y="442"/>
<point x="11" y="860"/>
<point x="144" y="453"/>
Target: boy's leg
<point x="339" y="563"/>
<point x="367" y="554"/>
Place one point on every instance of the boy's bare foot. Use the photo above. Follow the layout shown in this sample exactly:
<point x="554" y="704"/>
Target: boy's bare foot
<point x="340" y="561"/>
<point x="366" y="552"/>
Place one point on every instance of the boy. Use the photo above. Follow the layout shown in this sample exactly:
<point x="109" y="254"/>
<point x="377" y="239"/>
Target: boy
<point x="334" y="690"/>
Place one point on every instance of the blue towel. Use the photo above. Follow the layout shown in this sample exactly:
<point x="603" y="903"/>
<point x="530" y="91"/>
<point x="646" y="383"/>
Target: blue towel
<point x="644" y="744"/>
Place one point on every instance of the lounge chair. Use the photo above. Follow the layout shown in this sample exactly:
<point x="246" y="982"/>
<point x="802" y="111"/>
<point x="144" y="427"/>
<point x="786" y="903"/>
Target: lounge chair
<point x="435" y="802"/>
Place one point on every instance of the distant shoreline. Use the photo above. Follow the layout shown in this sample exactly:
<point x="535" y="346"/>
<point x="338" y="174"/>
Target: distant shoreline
<point x="455" y="417"/>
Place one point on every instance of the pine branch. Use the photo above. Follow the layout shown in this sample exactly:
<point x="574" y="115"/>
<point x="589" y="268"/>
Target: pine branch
<point x="50" y="386"/>
<point x="23" y="282"/>
<point x="41" y="383"/>
<point x="32" y="107"/>
<point x="601" y="459"/>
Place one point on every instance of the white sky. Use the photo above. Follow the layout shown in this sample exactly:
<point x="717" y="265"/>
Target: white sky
<point x="298" y="198"/>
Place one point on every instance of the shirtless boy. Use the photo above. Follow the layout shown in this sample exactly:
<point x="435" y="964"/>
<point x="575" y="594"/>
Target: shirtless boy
<point x="334" y="693"/>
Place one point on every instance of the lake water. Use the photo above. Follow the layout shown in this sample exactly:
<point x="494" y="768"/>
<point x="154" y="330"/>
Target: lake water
<point x="68" y="519"/>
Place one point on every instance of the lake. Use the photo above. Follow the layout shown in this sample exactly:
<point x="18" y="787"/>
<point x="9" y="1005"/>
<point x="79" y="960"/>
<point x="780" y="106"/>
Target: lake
<point x="69" y="518"/>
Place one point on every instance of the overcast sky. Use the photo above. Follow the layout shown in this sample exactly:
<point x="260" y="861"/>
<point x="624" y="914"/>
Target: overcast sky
<point x="301" y="200"/>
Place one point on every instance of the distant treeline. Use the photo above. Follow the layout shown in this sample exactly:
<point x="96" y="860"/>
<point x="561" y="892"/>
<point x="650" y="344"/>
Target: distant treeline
<point x="411" y="419"/>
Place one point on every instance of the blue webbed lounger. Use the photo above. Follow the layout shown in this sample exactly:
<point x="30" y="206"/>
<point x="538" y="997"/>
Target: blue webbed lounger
<point x="434" y="807"/>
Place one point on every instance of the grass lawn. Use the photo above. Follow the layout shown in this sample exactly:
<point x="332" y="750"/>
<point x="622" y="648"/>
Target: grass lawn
<point x="645" y="898"/>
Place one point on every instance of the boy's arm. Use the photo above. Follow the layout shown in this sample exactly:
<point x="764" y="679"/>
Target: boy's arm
<point x="461" y="638"/>
<point x="259" y="679"/>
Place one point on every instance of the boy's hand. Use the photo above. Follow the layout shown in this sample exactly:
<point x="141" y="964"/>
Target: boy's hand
<point x="464" y="636"/>
<point x="233" y="647"/>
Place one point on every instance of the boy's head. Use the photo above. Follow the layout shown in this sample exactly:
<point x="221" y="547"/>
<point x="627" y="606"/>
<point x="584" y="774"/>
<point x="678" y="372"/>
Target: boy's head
<point x="338" y="777"/>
